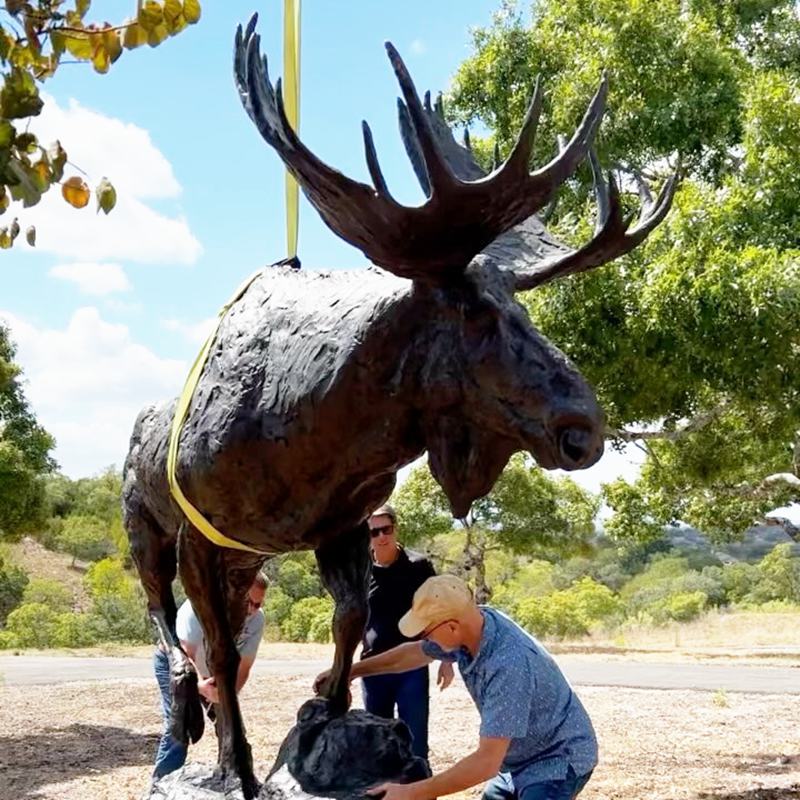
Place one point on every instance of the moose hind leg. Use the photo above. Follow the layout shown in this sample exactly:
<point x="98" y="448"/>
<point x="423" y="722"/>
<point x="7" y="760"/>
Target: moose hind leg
<point x="344" y="566"/>
<point x="154" y="553"/>
<point x="216" y="582"/>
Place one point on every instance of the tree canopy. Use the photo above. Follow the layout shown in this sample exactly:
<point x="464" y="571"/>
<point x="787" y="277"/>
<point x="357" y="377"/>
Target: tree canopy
<point x="24" y="451"/>
<point x="36" y="39"/>
<point x="691" y="340"/>
<point x="526" y="513"/>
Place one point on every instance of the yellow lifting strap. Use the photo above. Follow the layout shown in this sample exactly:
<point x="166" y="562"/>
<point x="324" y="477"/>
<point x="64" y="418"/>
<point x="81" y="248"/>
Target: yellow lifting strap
<point x="291" y="99"/>
<point x="291" y="69"/>
<point x="181" y="412"/>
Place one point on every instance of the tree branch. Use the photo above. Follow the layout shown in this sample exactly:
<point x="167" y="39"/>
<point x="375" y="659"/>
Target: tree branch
<point x="692" y="426"/>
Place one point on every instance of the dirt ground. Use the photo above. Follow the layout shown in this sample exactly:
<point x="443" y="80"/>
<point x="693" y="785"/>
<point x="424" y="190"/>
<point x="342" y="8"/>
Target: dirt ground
<point x="96" y="741"/>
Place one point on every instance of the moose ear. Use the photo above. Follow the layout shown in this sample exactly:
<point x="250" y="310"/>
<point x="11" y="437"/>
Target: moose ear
<point x="464" y="460"/>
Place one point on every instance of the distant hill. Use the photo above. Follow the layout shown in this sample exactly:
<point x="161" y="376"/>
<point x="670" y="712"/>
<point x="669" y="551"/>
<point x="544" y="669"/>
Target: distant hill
<point x="753" y="546"/>
<point x="39" y="562"/>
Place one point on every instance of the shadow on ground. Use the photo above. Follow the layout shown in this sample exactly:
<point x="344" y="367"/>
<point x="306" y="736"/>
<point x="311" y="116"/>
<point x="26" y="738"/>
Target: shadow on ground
<point x="63" y="754"/>
<point x="764" y="793"/>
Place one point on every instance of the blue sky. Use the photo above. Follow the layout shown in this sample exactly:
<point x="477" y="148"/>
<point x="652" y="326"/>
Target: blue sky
<point x="109" y="312"/>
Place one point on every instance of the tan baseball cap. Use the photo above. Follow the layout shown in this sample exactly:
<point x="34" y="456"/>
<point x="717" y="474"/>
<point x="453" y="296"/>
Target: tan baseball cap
<point x="440" y="598"/>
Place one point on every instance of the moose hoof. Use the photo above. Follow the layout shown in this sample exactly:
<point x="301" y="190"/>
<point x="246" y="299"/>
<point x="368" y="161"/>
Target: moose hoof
<point x="187" y="722"/>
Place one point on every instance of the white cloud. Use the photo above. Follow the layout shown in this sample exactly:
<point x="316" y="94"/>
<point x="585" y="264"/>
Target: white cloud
<point x="105" y="146"/>
<point x="418" y="47"/>
<point x="87" y="382"/>
<point x="93" y="278"/>
<point x="194" y="332"/>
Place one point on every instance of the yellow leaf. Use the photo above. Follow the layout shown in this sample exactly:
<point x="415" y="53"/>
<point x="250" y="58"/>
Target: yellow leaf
<point x="113" y="45"/>
<point x="151" y="15"/>
<point x="135" y="36"/>
<point x="192" y="12"/>
<point x="172" y="10"/>
<point x="101" y="60"/>
<point x="75" y="191"/>
<point x="79" y="46"/>
<point x="157" y="35"/>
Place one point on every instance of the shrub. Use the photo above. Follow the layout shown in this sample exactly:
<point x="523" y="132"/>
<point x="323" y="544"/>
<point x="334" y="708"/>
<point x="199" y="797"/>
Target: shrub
<point x="298" y="576"/>
<point x="277" y="606"/>
<point x="8" y="641"/>
<point x="73" y="630"/>
<point x="85" y="538"/>
<point x="569" y="612"/>
<point x="681" y="607"/>
<point x="32" y="625"/>
<point x="13" y="580"/>
<point x="297" y="626"/>
<point x="50" y="593"/>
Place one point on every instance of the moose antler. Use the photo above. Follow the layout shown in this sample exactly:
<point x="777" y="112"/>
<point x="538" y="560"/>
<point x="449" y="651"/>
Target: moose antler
<point x="528" y="250"/>
<point x="459" y="218"/>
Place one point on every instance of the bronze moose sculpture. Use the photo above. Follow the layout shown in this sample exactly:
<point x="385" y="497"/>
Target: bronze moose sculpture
<point x="320" y="386"/>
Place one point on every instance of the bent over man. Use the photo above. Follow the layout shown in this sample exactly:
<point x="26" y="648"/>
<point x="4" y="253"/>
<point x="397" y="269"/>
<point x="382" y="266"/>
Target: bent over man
<point x="536" y="739"/>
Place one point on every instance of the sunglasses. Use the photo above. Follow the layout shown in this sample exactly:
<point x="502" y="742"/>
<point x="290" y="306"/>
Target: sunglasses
<point x="376" y="532"/>
<point x="253" y="604"/>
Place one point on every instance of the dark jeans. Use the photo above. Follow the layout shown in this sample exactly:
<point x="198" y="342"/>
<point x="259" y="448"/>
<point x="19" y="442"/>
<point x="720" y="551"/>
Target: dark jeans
<point x="409" y="692"/>
<point x="501" y="787"/>
<point x="171" y="754"/>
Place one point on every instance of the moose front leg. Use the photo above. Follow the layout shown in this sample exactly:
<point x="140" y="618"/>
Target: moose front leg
<point x="216" y="581"/>
<point x="344" y="566"/>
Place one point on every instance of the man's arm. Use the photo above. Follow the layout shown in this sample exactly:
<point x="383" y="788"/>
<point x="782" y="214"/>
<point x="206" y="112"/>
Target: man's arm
<point x="245" y="664"/>
<point x="475" y="768"/>
<point x="402" y="658"/>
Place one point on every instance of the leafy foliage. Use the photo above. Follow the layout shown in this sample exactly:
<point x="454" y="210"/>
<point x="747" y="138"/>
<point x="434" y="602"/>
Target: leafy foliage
<point x="24" y="452"/>
<point x="689" y="336"/>
<point x="36" y="38"/>
<point x="13" y="581"/>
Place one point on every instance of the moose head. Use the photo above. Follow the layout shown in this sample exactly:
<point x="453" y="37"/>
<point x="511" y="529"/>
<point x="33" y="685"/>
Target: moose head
<point x="494" y="384"/>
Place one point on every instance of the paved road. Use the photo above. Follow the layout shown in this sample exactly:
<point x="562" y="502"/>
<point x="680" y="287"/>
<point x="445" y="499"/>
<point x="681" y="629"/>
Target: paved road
<point x="42" y="670"/>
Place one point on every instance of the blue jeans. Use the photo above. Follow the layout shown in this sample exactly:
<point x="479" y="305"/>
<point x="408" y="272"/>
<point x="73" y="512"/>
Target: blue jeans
<point x="409" y="692"/>
<point x="171" y="754"/>
<point x="501" y="787"/>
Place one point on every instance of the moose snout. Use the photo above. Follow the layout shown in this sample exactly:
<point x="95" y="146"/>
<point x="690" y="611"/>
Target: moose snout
<point x="578" y="446"/>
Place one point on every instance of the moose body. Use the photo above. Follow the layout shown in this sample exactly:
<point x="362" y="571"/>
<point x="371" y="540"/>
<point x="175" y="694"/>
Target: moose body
<point x="319" y="387"/>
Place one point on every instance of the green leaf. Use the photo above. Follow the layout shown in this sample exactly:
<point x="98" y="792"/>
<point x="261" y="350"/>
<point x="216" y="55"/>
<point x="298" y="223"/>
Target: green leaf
<point x="58" y="41"/>
<point x="26" y="143"/>
<point x="151" y="15"/>
<point x="82" y="6"/>
<point x="19" y="96"/>
<point x="5" y="239"/>
<point x="5" y="200"/>
<point x="57" y="157"/>
<point x="192" y="12"/>
<point x="7" y="133"/>
<point x="106" y="196"/>
<point x="30" y="236"/>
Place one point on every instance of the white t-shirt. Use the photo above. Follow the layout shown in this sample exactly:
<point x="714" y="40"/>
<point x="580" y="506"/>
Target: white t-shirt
<point x="188" y="629"/>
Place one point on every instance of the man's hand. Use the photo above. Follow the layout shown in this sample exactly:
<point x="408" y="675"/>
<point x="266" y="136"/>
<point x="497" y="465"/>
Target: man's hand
<point x="208" y="689"/>
<point x="320" y="680"/>
<point x="445" y="675"/>
<point x="396" y="791"/>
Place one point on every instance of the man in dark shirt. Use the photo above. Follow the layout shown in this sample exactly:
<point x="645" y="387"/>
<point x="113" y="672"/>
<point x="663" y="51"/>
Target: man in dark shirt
<point x="396" y="574"/>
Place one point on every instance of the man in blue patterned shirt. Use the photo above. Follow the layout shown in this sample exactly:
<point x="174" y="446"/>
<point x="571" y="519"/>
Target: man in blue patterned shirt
<point x="536" y="739"/>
